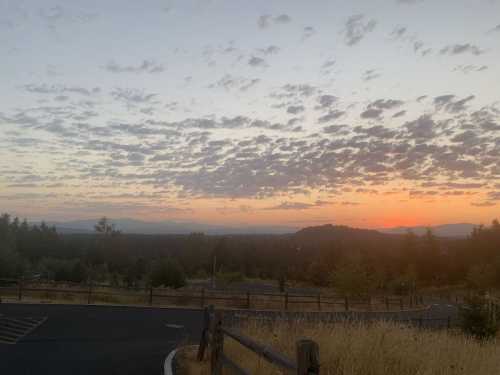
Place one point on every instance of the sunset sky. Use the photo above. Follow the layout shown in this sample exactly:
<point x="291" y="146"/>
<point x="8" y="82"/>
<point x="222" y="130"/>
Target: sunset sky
<point x="369" y="113"/>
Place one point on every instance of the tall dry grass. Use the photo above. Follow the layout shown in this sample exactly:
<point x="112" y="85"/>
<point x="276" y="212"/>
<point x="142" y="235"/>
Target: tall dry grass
<point x="377" y="349"/>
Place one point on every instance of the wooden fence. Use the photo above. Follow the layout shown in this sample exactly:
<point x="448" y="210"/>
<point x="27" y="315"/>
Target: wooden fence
<point x="212" y="337"/>
<point x="98" y="293"/>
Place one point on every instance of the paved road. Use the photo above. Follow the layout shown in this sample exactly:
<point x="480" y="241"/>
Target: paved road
<point x="132" y="340"/>
<point x="96" y="339"/>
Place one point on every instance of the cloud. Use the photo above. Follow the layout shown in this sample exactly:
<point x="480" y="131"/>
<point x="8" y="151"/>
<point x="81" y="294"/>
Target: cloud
<point x="409" y="2"/>
<point x="229" y="82"/>
<point x="448" y="103"/>
<point x="132" y="96"/>
<point x="496" y="29"/>
<point x="484" y="204"/>
<point x="356" y="28"/>
<point x="308" y="32"/>
<point x="270" y="50"/>
<point x="371" y="113"/>
<point x="422" y="129"/>
<point x="399" y="114"/>
<point x="385" y="104"/>
<point x="326" y="101"/>
<point x="327" y="66"/>
<point x="257" y="62"/>
<point x="331" y="116"/>
<point x="458" y="49"/>
<point x="370" y="75"/>
<point x="295" y="109"/>
<point x="292" y="90"/>
<point x="60" y="89"/>
<point x="466" y="69"/>
<point x="267" y="20"/>
<point x="494" y="196"/>
<point x="399" y="32"/>
<point x="282" y="18"/>
<point x="147" y="66"/>
<point x="298" y="205"/>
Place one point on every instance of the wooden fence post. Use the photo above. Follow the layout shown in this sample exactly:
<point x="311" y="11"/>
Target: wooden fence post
<point x="217" y="346"/>
<point x="204" y="334"/>
<point x="248" y="300"/>
<point x="307" y="357"/>
<point x="369" y="303"/>
<point x="386" y="303"/>
<point x="286" y="301"/>
<point x="20" y="289"/>
<point x="202" y="297"/>
<point x="346" y="304"/>
<point x="151" y="295"/>
<point x="89" y="296"/>
<point x="401" y="304"/>
<point x="319" y="302"/>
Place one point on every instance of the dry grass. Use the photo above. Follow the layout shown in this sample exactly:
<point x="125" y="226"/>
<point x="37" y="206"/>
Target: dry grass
<point x="376" y="349"/>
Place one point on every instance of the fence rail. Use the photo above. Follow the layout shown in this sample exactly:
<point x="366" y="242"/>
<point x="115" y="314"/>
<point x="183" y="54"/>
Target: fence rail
<point x="307" y="353"/>
<point x="95" y="293"/>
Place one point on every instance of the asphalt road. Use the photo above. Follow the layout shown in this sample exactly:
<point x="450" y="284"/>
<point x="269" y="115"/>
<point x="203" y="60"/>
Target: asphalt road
<point x="108" y="340"/>
<point x="96" y="339"/>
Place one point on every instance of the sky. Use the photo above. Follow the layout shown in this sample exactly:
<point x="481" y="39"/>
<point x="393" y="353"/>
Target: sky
<point x="368" y="113"/>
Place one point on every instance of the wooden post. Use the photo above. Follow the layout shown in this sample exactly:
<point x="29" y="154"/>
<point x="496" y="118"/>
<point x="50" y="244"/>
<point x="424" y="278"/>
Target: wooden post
<point x="307" y="357"/>
<point x="204" y="334"/>
<point x="346" y="304"/>
<point x="386" y="303"/>
<point x="202" y="297"/>
<point x="401" y="304"/>
<point x="20" y="289"/>
<point x="448" y="323"/>
<point x="319" y="302"/>
<point x="286" y="301"/>
<point x="248" y="300"/>
<point x="89" y="296"/>
<point x="369" y="303"/>
<point x="217" y="346"/>
<point x="151" y="295"/>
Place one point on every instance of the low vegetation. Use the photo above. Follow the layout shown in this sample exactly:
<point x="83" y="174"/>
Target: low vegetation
<point x="360" y="349"/>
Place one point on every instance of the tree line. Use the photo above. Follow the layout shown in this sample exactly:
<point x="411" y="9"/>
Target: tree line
<point x="353" y="261"/>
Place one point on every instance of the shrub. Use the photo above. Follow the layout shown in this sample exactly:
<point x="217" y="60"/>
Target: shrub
<point x="477" y="320"/>
<point x="167" y="272"/>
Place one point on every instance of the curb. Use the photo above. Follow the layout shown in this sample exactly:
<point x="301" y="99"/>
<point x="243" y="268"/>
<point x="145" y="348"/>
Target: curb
<point x="168" y="364"/>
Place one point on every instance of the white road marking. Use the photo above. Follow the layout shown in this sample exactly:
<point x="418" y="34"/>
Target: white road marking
<point x="175" y="326"/>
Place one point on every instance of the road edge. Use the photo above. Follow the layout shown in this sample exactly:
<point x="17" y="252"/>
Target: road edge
<point x="168" y="363"/>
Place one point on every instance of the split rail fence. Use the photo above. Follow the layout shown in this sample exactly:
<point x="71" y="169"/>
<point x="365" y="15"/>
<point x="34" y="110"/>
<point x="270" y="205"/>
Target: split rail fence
<point x="96" y="293"/>
<point x="214" y="333"/>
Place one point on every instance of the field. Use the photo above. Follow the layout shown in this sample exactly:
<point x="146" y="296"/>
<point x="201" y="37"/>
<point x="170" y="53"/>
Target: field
<point x="359" y="349"/>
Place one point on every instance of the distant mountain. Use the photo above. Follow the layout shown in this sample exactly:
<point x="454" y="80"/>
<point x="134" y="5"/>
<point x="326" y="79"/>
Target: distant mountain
<point x="133" y="226"/>
<point x="446" y="230"/>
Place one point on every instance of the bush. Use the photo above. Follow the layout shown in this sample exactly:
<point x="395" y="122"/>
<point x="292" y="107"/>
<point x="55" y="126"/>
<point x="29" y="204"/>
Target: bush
<point x="167" y="272"/>
<point x="476" y="319"/>
<point x="230" y="277"/>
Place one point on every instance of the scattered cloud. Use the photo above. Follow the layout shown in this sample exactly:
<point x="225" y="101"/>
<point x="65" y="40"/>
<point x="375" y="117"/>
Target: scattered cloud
<point x="255" y="61"/>
<point x="466" y="69"/>
<point x="458" y="49"/>
<point x="147" y="66"/>
<point x="449" y="104"/>
<point x="356" y="28"/>
<point x="370" y="75"/>
<point x="268" y="20"/>
<point x="308" y="32"/>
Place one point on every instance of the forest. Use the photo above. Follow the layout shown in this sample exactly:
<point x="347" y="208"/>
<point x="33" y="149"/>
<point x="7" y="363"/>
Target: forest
<point x="353" y="261"/>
